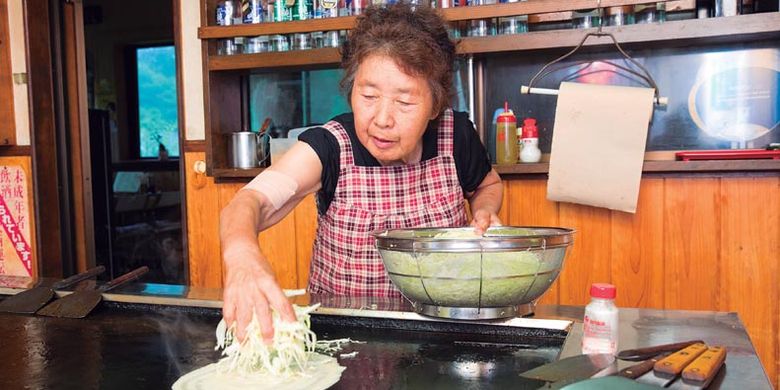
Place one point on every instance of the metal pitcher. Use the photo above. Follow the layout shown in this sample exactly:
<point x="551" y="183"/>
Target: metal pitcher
<point x="248" y="149"/>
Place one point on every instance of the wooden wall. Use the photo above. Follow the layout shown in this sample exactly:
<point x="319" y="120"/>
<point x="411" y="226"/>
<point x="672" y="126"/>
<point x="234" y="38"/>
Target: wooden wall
<point x="695" y="243"/>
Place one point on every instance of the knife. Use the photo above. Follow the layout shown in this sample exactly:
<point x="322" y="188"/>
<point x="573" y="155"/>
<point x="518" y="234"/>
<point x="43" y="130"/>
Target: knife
<point x="666" y="370"/>
<point x="571" y="369"/>
<point x="630" y="373"/>
<point x="645" y="353"/>
<point x="703" y="370"/>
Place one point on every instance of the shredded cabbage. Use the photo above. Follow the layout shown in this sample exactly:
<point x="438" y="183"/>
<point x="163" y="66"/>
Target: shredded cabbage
<point x="288" y="354"/>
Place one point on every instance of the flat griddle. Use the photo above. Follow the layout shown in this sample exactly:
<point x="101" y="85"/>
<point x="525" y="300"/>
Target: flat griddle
<point x="150" y="346"/>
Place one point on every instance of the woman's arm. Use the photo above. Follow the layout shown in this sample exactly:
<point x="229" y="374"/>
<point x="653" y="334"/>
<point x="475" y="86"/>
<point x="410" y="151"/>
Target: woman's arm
<point x="485" y="202"/>
<point x="250" y="283"/>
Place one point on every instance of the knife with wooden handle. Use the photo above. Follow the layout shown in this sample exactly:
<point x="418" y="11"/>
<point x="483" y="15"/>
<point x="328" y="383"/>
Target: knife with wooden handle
<point x="674" y="363"/>
<point x="640" y="369"/>
<point x="705" y="366"/>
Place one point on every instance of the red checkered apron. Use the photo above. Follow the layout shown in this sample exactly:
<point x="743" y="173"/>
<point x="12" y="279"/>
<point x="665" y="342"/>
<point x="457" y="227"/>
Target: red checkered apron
<point x="345" y="260"/>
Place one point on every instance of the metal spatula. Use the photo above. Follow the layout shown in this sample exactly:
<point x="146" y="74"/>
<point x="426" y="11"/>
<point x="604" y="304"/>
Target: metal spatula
<point x="571" y="369"/>
<point x="29" y="301"/>
<point x="80" y="303"/>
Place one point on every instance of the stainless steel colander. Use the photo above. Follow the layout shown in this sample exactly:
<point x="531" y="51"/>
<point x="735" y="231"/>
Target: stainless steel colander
<point x="453" y="273"/>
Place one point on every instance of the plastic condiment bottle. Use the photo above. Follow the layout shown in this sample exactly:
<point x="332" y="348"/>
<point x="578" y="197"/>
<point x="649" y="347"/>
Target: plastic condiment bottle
<point x="530" y="138"/>
<point x="600" y="327"/>
<point x="506" y="137"/>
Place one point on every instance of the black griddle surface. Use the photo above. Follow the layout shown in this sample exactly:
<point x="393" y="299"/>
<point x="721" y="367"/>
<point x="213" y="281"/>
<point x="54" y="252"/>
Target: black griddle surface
<point x="121" y="346"/>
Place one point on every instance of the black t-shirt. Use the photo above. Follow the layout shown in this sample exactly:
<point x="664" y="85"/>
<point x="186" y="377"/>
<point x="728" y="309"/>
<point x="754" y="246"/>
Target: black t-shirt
<point x="471" y="158"/>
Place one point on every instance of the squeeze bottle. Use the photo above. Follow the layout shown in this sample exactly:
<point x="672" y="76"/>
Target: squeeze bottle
<point x="506" y="137"/>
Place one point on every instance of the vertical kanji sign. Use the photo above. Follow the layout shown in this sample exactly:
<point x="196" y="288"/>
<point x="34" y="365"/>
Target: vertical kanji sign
<point x="16" y="257"/>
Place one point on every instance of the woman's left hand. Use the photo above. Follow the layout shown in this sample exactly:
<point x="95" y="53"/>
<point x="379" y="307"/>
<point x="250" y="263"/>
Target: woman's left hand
<point x="484" y="219"/>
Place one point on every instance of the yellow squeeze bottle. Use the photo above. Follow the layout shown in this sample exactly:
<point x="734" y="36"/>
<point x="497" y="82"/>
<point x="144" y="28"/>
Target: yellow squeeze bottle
<point x="506" y="137"/>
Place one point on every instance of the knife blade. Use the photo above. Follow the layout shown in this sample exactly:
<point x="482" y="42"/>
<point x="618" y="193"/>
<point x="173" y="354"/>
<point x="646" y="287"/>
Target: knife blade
<point x="631" y="372"/>
<point x="645" y="353"/>
<point x="571" y="369"/>
<point x="666" y="370"/>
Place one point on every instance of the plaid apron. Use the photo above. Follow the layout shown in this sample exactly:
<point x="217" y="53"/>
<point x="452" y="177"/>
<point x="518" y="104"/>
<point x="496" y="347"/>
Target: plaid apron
<point x="345" y="260"/>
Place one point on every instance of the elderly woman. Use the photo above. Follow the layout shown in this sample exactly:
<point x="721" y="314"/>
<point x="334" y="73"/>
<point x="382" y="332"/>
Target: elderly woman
<point x="401" y="159"/>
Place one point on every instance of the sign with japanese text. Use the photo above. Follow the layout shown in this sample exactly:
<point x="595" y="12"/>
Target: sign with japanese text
<point x="16" y="257"/>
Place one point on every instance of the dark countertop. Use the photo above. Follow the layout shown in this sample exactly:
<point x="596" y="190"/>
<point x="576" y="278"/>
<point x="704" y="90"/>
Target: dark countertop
<point x="134" y="341"/>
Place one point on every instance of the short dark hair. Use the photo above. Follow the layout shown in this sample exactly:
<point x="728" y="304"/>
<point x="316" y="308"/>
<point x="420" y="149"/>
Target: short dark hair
<point x="414" y="37"/>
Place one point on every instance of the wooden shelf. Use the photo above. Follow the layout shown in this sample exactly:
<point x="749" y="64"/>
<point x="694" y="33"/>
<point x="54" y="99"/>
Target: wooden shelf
<point x="714" y="30"/>
<point x="235" y="173"/>
<point x="530" y="7"/>
<point x="251" y="30"/>
<point x="662" y="167"/>
<point x="296" y="58"/>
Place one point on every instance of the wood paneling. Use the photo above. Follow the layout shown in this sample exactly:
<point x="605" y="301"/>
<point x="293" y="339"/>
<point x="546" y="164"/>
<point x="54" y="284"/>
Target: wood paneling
<point x="78" y="133"/>
<point x="750" y="247"/>
<point x="691" y="243"/>
<point x="280" y="247"/>
<point x="589" y="260"/>
<point x="202" y="226"/>
<point x="43" y="131"/>
<point x="305" y="230"/>
<point x="637" y="247"/>
<point x="527" y="205"/>
<point x="8" y="128"/>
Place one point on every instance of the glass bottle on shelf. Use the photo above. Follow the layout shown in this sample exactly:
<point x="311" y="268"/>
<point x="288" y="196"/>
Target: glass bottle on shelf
<point x="302" y="10"/>
<point x="301" y="41"/>
<point x="228" y="14"/>
<point x="253" y="11"/>
<point x="257" y="44"/>
<point x="281" y="10"/>
<point x="586" y="18"/>
<point x="620" y="16"/>
<point x="650" y="13"/>
<point x="279" y="43"/>
<point x="482" y="27"/>
<point x="513" y="24"/>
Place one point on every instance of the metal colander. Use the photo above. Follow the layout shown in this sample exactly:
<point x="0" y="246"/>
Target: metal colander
<point x="453" y="273"/>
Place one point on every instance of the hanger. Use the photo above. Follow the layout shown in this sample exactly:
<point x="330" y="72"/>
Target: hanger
<point x="546" y="69"/>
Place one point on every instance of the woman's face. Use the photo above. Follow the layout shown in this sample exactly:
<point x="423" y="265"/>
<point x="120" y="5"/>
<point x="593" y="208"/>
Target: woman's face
<point x="392" y="110"/>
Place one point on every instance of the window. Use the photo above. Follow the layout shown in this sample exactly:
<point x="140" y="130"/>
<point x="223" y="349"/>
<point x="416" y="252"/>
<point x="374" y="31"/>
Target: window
<point x="155" y="74"/>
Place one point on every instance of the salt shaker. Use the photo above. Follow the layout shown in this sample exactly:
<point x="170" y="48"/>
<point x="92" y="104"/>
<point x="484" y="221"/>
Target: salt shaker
<point x="530" y="152"/>
<point x="600" y="326"/>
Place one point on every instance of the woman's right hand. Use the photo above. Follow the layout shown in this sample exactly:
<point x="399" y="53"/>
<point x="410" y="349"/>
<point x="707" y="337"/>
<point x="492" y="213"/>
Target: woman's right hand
<point x="250" y="287"/>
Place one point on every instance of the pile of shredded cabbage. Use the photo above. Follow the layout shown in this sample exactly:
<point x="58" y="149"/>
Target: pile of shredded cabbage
<point x="288" y="355"/>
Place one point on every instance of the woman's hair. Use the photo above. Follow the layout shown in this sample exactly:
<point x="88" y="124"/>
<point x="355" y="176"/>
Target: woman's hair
<point x="414" y="37"/>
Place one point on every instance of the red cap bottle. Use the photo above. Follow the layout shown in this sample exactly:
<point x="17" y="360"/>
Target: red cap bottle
<point x="603" y="290"/>
<point x="529" y="128"/>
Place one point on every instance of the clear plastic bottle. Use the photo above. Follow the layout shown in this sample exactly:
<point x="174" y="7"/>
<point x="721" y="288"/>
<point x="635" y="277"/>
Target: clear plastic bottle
<point x="600" y="327"/>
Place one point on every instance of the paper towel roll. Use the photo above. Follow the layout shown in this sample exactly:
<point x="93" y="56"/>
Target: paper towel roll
<point x="598" y="145"/>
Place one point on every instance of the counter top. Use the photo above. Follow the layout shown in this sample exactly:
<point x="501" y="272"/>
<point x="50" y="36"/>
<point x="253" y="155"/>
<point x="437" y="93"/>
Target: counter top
<point x="177" y="336"/>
